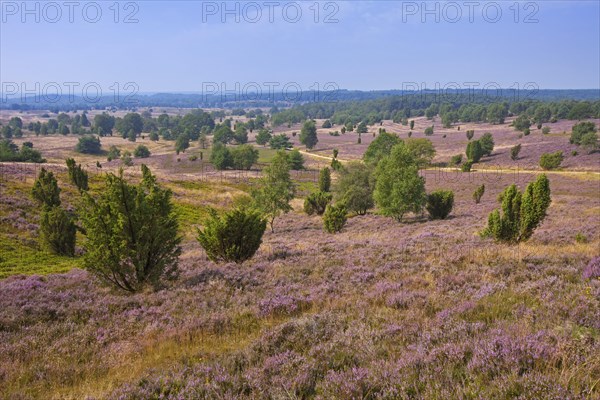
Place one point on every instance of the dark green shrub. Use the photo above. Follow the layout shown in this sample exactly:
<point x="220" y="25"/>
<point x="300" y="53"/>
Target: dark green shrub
<point x="325" y="180"/>
<point x="487" y="144"/>
<point x="474" y="151"/>
<point x="316" y="203"/>
<point x="429" y="131"/>
<point x="551" y="160"/>
<point x="220" y="156"/>
<point x="470" y="134"/>
<point x="113" y="153"/>
<point x="478" y="194"/>
<point x="334" y="218"/>
<point x="296" y="160"/>
<point x="131" y="233"/>
<point x="440" y="203"/>
<point x="581" y="129"/>
<point x="141" y="152"/>
<point x="89" y="144"/>
<point x="354" y="189"/>
<point x="243" y="157"/>
<point x="57" y="231"/>
<point x="235" y="236"/>
<point x="77" y="175"/>
<point x="521" y="213"/>
<point x="514" y="152"/>
<point x="45" y="189"/>
<point x="456" y="160"/>
<point x="466" y="167"/>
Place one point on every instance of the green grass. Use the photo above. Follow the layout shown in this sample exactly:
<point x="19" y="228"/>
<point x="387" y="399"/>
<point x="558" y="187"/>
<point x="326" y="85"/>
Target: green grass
<point x="19" y="258"/>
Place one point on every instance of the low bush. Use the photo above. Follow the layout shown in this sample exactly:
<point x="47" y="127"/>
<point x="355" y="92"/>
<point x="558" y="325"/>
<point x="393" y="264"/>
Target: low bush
<point x="316" y="203"/>
<point x="334" y="218"/>
<point x="439" y="204"/>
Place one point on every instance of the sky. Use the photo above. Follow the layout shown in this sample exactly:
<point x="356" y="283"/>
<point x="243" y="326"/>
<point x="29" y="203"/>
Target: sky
<point x="191" y="46"/>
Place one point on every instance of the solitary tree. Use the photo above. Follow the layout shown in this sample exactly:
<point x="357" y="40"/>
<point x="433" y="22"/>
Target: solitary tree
<point x="325" y="180"/>
<point x="132" y="233"/>
<point x="478" y="193"/>
<point x="235" y="236"/>
<point x="399" y="189"/>
<point x="308" y="135"/>
<point x="182" y="143"/>
<point x="521" y="213"/>
<point x="514" y="152"/>
<point x="45" y="189"/>
<point x="77" y="175"/>
<point x="474" y="151"/>
<point x="275" y="191"/>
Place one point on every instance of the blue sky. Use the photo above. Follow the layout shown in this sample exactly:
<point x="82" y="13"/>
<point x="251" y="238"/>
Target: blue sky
<point x="179" y="45"/>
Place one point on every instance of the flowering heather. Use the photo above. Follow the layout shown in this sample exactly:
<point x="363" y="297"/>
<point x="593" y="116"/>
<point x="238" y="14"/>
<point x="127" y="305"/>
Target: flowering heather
<point x="382" y="310"/>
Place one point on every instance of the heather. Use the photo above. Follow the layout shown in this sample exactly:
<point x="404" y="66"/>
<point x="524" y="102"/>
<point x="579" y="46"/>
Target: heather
<point x="380" y="310"/>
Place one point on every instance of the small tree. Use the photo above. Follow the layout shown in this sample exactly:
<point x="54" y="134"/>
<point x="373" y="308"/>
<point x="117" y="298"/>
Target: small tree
<point x="126" y="159"/>
<point x="88" y="145"/>
<point x="546" y="130"/>
<point x="77" y="175"/>
<point x="514" y="152"/>
<point x="380" y="147"/>
<point x="325" y="180"/>
<point x="470" y="134"/>
<point x="521" y="213"/>
<point x="275" y="190"/>
<point x="113" y="153"/>
<point x="429" y="131"/>
<point x="316" y="203"/>
<point x="243" y="157"/>
<point x="474" y="151"/>
<point x="45" y="189"/>
<point x="236" y="236"/>
<point x="220" y="156"/>
<point x="440" y="203"/>
<point x="354" y="189"/>
<point x="57" y="231"/>
<point x="308" y="135"/>
<point x="263" y="136"/>
<point x="456" y="160"/>
<point x="280" y="142"/>
<point x="399" y="188"/>
<point x="467" y="165"/>
<point x="182" y="143"/>
<point x="326" y="124"/>
<point x="589" y="141"/>
<point x="132" y="233"/>
<point x="361" y="128"/>
<point x="478" y="193"/>
<point x="412" y="125"/>
<point x="296" y="160"/>
<point x="334" y="218"/>
<point x="487" y="144"/>
<point x="551" y="160"/>
<point x="141" y="152"/>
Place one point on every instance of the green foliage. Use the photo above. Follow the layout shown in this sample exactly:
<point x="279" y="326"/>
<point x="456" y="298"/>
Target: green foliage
<point x="354" y="189"/>
<point x="45" y="189"/>
<point x="412" y="125"/>
<point x="362" y="128"/>
<point x="487" y="144"/>
<point x="380" y="147"/>
<point x="77" y="175"/>
<point x="57" y="231"/>
<point x="131" y="125"/>
<point x="470" y="134"/>
<point x="220" y="156"/>
<point x="233" y="237"/>
<point x="546" y="130"/>
<point x="514" y="152"/>
<point x="429" y="131"/>
<point x="422" y="149"/>
<point x="153" y="136"/>
<point x="478" y="193"/>
<point x="182" y="143"/>
<point x="126" y="159"/>
<point x="456" y="159"/>
<point x="275" y="190"/>
<point x="243" y="157"/>
<point x="263" y="136"/>
<point x="103" y="124"/>
<point x="521" y="123"/>
<point x="474" y="151"/>
<point x="113" y="153"/>
<point x="308" y="135"/>
<point x="280" y="142"/>
<point x="581" y="238"/>
<point x="223" y="134"/>
<point x="296" y="160"/>
<point x="581" y="129"/>
<point x="590" y="141"/>
<point x="551" y="160"/>
<point x="316" y="202"/>
<point x="89" y="144"/>
<point x="325" y="180"/>
<point x="467" y="165"/>
<point x="241" y="134"/>
<point x="336" y="165"/>
<point x="132" y="233"/>
<point x="399" y="189"/>
<point x="10" y="152"/>
<point x="141" y="152"/>
<point x="326" y="124"/>
<point x="334" y="218"/>
<point x="521" y="213"/>
<point x="440" y="203"/>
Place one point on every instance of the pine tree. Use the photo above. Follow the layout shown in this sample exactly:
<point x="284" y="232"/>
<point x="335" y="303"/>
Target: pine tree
<point x="77" y="175"/>
<point x="45" y="189"/>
